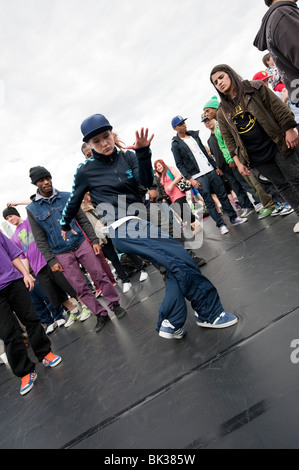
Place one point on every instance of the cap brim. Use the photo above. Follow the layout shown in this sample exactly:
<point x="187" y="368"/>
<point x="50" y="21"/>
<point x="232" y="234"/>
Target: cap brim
<point x="183" y="120"/>
<point x="92" y="134"/>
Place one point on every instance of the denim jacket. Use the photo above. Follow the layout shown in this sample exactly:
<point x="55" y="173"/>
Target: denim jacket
<point x="44" y="216"/>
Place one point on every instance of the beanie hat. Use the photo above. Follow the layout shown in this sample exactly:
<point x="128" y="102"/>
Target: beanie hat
<point x="10" y="211"/>
<point x="38" y="172"/>
<point x="94" y="125"/>
<point x="213" y="103"/>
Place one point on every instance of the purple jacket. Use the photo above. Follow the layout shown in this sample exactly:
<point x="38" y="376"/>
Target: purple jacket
<point x="8" y="252"/>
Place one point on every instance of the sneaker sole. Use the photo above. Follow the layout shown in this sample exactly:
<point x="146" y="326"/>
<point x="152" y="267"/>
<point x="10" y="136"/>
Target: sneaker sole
<point x="85" y="317"/>
<point x="166" y="335"/>
<point x="222" y="325"/>
<point x="286" y="213"/>
<point x="243" y="219"/>
<point x="53" y="364"/>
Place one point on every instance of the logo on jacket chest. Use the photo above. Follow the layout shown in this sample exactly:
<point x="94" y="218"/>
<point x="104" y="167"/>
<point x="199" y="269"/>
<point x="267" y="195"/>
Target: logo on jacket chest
<point x="129" y="174"/>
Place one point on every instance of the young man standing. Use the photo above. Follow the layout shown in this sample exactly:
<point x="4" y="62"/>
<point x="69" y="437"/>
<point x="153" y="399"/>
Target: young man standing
<point x="14" y="299"/>
<point x="244" y="201"/>
<point x="197" y="167"/>
<point x="44" y="214"/>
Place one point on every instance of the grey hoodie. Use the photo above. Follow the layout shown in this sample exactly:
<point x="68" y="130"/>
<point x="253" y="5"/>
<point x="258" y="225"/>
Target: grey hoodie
<point x="279" y="35"/>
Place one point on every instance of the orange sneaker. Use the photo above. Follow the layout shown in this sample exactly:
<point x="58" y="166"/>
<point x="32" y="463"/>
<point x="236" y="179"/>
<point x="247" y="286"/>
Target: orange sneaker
<point x="27" y="383"/>
<point x="51" y="360"/>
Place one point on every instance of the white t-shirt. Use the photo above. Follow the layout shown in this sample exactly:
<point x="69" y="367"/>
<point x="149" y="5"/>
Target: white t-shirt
<point x="203" y="163"/>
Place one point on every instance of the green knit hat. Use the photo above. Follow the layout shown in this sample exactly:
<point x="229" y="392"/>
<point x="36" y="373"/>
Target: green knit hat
<point x="213" y="103"/>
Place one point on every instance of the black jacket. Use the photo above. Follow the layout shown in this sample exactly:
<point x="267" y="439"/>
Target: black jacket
<point x="217" y="153"/>
<point x="113" y="182"/>
<point x="184" y="158"/>
<point x="279" y="35"/>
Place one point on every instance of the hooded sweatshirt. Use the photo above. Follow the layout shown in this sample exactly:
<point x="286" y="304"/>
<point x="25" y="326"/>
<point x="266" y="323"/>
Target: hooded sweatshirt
<point x="279" y="35"/>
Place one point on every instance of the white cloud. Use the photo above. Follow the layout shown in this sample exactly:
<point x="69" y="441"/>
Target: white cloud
<point x="139" y="63"/>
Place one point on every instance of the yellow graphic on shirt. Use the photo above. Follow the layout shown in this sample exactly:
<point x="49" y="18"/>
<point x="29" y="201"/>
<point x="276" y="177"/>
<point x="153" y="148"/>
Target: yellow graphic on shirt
<point x="243" y="120"/>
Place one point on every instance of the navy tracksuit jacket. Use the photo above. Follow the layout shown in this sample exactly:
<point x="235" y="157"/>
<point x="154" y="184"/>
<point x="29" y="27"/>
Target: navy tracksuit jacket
<point x="108" y="178"/>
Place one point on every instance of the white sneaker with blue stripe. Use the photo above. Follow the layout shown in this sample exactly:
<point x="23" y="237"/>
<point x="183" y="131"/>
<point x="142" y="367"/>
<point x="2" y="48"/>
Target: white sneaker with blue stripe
<point x="224" y="320"/>
<point x="168" y="331"/>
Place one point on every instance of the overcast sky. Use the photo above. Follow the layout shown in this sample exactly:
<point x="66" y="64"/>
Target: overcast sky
<point x="139" y="63"/>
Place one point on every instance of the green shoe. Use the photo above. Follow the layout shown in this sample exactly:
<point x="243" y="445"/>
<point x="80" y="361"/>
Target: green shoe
<point x="72" y="318"/>
<point x="265" y="212"/>
<point x="85" y="313"/>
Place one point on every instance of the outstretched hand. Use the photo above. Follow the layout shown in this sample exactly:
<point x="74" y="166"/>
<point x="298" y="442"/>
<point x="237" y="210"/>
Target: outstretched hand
<point x="142" y="140"/>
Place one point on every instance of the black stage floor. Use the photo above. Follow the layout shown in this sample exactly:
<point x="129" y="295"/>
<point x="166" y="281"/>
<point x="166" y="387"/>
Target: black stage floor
<point x="127" y="388"/>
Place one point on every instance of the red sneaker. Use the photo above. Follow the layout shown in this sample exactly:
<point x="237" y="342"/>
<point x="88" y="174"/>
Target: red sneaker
<point x="51" y="360"/>
<point x="27" y="383"/>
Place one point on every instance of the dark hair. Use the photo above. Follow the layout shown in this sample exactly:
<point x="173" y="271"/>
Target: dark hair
<point x="226" y="102"/>
<point x="266" y="59"/>
<point x="268" y="2"/>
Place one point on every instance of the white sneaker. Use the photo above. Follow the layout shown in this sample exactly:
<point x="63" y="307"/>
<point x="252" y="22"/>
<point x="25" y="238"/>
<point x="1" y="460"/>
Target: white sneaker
<point x="223" y="229"/>
<point x="239" y="220"/>
<point x="286" y="210"/>
<point x="143" y="276"/>
<point x="168" y="331"/>
<point x="126" y="287"/>
<point x="246" y="212"/>
<point x="72" y="318"/>
<point x="60" y="322"/>
<point x="51" y="328"/>
<point x="259" y="207"/>
<point x="296" y="228"/>
<point x="85" y="313"/>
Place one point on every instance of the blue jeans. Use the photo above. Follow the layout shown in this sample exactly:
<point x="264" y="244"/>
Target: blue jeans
<point x="211" y="183"/>
<point x="42" y="306"/>
<point x="283" y="172"/>
<point x="184" y="279"/>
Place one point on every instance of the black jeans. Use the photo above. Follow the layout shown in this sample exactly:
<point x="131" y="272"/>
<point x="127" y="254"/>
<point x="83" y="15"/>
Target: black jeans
<point x="283" y="172"/>
<point x="241" y="188"/>
<point x="212" y="183"/>
<point x="15" y="298"/>
<point x="110" y="253"/>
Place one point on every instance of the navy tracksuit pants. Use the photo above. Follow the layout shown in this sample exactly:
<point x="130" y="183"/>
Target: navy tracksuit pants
<point x="184" y="279"/>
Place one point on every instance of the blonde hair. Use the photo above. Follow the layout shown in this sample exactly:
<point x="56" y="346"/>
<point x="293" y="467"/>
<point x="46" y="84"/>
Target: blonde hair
<point x="119" y="143"/>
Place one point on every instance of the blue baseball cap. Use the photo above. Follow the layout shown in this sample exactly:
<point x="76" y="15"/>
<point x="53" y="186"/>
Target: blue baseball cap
<point x="94" y="125"/>
<point x="177" y="120"/>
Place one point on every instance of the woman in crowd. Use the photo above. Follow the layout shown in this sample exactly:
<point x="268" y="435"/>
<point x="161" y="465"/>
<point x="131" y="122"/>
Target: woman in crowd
<point x="259" y="131"/>
<point x="169" y="177"/>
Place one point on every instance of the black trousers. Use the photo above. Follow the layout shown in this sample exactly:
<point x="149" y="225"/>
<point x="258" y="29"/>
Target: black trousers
<point x="15" y="299"/>
<point x="110" y="253"/>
